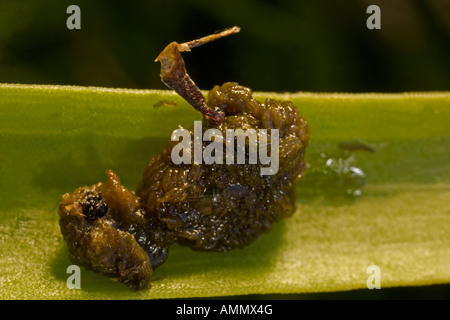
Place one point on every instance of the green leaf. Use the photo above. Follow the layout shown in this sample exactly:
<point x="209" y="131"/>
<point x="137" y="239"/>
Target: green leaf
<point x="56" y="138"/>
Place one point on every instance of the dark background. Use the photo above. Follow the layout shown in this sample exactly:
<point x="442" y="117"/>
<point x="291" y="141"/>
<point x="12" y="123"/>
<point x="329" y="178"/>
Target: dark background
<point x="320" y="46"/>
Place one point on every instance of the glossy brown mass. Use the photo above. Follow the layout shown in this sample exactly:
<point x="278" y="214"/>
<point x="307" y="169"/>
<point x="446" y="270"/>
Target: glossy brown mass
<point x="219" y="207"/>
<point x="209" y="207"/>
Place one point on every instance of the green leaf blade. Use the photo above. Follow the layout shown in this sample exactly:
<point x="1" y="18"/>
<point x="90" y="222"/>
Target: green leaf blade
<point x="57" y="138"/>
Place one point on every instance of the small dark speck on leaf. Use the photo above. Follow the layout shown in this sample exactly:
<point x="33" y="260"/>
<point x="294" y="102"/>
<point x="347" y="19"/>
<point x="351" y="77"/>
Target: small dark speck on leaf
<point x="356" y="146"/>
<point x="164" y="103"/>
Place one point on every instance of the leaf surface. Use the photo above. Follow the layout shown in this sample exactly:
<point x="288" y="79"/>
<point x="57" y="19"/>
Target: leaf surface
<point x="56" y="138"/>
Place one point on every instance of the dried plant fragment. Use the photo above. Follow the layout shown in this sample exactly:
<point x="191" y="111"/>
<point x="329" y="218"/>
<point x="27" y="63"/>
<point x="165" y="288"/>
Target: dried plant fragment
<point x="174" y="74"/>
<point x="208" y="207"/>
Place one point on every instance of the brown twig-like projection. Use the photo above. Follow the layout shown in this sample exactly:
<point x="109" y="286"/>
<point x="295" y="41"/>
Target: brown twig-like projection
<point x="174" y="75"/>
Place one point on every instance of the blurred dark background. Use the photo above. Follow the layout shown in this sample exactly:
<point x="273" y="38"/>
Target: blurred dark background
<point x="308" y="45"/>
<point x="321" y="46"/>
